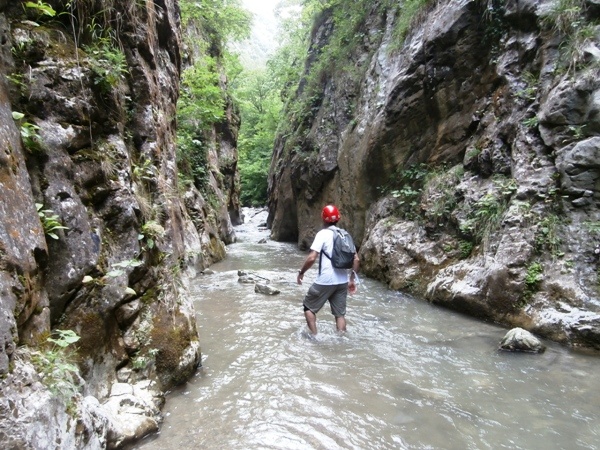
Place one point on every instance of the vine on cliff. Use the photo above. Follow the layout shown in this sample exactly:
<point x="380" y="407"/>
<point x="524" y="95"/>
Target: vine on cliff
<point x="203" y="100"/>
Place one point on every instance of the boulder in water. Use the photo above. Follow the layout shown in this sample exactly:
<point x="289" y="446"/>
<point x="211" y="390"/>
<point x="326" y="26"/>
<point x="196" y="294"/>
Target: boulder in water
<point x="265" y="289"/>
<point x="520" y="340"/>
<point x="247" y="279"/>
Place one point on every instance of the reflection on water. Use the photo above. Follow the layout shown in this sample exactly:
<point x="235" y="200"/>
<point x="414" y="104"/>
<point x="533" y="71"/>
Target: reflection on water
<point x="407" y="375"/>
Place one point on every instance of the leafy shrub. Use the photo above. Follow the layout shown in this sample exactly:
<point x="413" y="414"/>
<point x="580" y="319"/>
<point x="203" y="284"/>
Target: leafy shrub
<point x="56" y="365"/>
<point x="406" y="185"/>
<point x="547" y="235"/>
<point x="39" y="9"/>
<point x="407" y="13"/>
<point x="485" y="214"/>
<point x="50" y="221"/>
<point x="29" y="133"/>
<point x="439" y="199"/>
<point x="533" y="278"/>
<point x="258" y="94"/>
<point x="529" y="92"/>
<point x="192" y="159"/>
<point x="568" y="18"/>
<point x="465" y="247"/>
<point x="108" y="63"/>
<point x="202" y="102"/>
<point x="151" y="231"/>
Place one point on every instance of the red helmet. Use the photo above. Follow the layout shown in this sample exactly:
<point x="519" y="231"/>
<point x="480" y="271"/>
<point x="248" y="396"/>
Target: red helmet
<point x="330" y="214"/>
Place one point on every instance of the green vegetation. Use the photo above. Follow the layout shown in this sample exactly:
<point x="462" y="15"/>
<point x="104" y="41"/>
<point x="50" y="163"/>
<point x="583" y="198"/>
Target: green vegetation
<point x="151" y="231"/>
<point x="117" y="270"/>
<point x="217" y="21"/>
<point x="425" y="192"/>
<point x="140" y="362"/>
<point x="56" y="365"/>
<point x="440" y="192"/>
<point x="406" y="186"/>
<point x="406" y="15"/>
<point x="529" y="92"/>
<point x="108" y="64"/>
<point x="95" y="30"/>
<point x="473" y="152"/>
<point x="569" y="19"/>
<point x="465" y="247"/>
<point x="302" y="70"/>
<point x="485" y="215"/>
<point x="533" y="278"/>
<point x="531" y="122"/>
<point x="495" y="24"/>
<point x="547" y="237"/>
<point x="258" y="95"/>
<point x="202" y="103"/>
<point x="40" y="9"/>
<point x="261" y="94"/>
<point x="50" y="221"/>
<point x="29" y="133"/>
<point x="578" y="131"/>
<point x="593" y="227"/>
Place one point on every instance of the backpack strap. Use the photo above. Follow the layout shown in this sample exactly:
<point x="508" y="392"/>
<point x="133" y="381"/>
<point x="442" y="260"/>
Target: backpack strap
<point x="322" y="252"/>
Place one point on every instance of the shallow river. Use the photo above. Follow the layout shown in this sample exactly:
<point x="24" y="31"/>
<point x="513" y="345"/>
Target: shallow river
<point x="407" y="375"/>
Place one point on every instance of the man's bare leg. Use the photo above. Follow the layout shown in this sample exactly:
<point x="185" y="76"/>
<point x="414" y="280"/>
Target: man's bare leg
<point x="340" y="324"/>
<point x="311" y="321"/>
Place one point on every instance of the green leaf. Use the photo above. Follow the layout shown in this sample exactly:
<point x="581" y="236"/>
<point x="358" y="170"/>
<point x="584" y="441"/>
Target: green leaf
<point x="42" y="8"/>
<point x="65" y="338"/>
<point x="18" y="116"/>
<point x="129" y="263"/>
<point x="115" y="273"/>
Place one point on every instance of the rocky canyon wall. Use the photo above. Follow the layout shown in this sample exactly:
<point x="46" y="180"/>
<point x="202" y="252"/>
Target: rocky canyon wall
<point x="463" y="157"/>
<point x="97" y="233"/>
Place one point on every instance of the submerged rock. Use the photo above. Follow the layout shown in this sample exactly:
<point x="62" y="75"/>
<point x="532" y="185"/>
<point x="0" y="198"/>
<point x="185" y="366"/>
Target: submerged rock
<point x="247" y="279"/>
<point x="265" y="289"/>
<point x="520" y="340"/>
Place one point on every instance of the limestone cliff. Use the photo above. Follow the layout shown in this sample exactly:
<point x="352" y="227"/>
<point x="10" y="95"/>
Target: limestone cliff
<point x="97" y="235"/>
<point x="463" y="156"/>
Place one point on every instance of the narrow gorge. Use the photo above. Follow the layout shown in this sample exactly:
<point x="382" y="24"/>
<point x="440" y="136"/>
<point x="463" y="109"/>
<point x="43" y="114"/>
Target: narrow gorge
<point x="462" y="152"/>
<point x="460" y="140"/>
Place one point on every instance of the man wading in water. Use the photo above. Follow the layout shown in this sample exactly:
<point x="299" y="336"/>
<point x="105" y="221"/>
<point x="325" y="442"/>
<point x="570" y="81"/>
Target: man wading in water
<point x="331" y="284"/>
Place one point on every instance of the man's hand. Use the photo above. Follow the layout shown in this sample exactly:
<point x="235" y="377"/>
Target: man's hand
<point x="352" y="287"/>
<point x="310" y="260"/>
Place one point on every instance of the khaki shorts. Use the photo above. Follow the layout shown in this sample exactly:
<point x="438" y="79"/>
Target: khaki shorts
<point x="318" y="294"/>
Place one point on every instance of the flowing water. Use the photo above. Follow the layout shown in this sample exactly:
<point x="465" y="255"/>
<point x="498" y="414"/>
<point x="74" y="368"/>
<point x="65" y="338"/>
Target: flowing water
<point x="407" y="375"/>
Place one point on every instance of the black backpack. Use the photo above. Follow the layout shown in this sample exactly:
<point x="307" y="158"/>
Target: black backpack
<point x="343" y="252"/>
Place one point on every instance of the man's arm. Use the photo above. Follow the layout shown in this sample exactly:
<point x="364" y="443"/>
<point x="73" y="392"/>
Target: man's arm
<point x="352" y="281"/>
<point x="355" y="265"/>
<point x="310" y="260"/>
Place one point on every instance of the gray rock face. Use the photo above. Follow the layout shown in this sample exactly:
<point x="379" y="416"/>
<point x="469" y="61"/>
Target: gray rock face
<point x="500" y="217"/>
<point x="110" y="251"/>
<point x="33" y="418"/>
